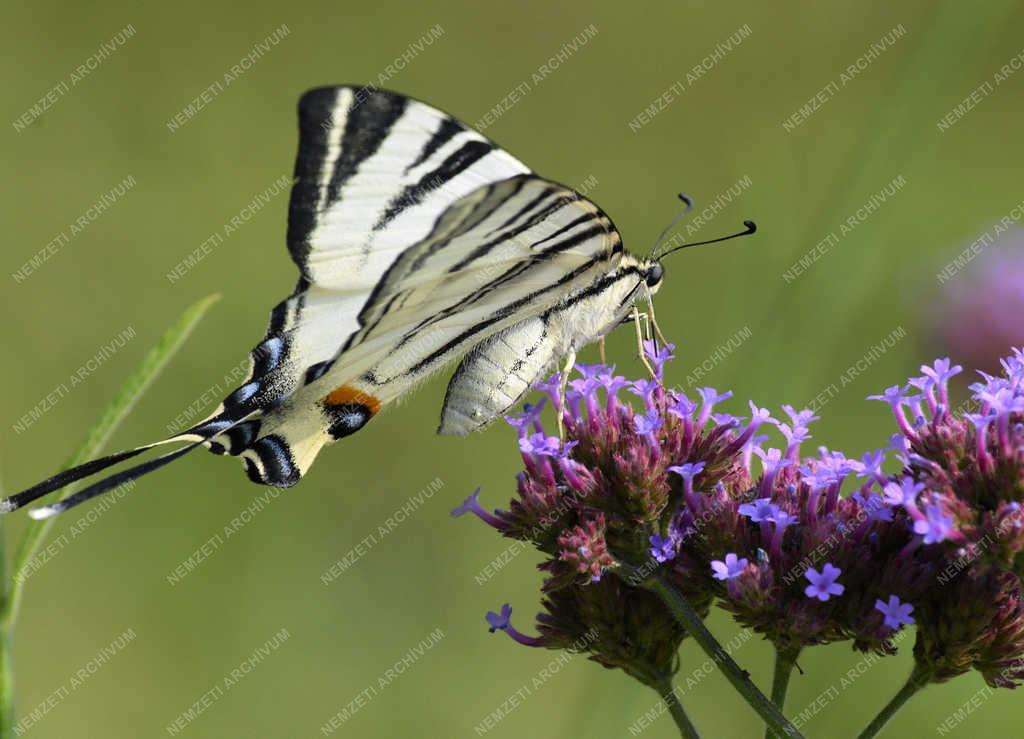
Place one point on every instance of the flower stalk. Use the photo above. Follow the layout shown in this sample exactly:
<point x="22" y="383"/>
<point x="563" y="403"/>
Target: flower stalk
<point x="675" y="708"/>
<point x="785" y="661"/>
<point x="917" y="680"/>
<point x="778" y="725"/>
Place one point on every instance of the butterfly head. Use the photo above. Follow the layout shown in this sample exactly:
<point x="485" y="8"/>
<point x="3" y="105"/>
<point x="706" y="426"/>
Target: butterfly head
<point x="654" y="274"/>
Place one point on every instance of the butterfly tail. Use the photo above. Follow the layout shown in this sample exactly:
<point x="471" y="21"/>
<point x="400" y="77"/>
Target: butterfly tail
<point x="110" y="482"/>
<point x="194" y="437"/>
<point x="66" y="477"/>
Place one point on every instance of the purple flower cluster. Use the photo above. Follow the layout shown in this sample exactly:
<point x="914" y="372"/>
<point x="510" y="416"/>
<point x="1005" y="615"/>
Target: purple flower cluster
<point x="702" y="497"/>
<point x="961" y="487"/>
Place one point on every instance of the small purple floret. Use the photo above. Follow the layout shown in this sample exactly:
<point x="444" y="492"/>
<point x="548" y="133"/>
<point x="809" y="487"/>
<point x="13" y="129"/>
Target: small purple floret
<point x="733" y="566"/>
<point x="896" y="614"/>
<point x="658" y="356"/>
<point x="935" y="526"/>
<point x="472" y="505"/>
<point x="502" y="622"/>
<point x="648" y="423"/>
<point x="823" y="584"/>
<point x="545" y="446"/>
<point x="760" y="510"/>
<point x="663" y="548"/>
<point x="687" y="471"/>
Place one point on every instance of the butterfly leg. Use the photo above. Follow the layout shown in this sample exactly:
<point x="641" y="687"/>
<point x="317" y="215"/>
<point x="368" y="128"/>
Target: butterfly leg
<point x="654" y="321"/>
<point x="600" y="349"/>
<point x="640" y="342"/>
<point x="570" y="362"/>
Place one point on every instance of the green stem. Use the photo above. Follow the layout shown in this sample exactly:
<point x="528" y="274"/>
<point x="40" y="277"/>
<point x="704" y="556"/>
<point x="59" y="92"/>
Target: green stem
<point x="914" y="683"/>
<point x="785" y="659"/>
<point x="11" y="580"/>
<point x="6" y="658"/>
<point x="668" y="694"/>
<point x="6" y="687"/>
<point x="137" y="383"/>
<point x="659" y="583"/>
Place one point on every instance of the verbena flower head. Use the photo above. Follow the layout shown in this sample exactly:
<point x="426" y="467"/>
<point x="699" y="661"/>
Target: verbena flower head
<point x="962" y="487"/>
<point x="735" y="511"/>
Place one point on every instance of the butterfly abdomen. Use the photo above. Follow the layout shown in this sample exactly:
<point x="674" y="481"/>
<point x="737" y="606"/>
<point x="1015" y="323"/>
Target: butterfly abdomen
<point x="496" y="374"/>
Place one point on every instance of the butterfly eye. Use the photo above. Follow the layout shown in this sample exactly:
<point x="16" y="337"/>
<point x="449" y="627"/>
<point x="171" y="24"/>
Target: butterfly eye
<point x="654" y="274"/>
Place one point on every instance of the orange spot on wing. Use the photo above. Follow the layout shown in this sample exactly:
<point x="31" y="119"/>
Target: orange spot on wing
<point x="348" y="395"/>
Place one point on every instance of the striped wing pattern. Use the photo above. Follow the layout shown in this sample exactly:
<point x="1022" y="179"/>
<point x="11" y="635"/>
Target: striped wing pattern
<point x="372" y="172"/>
<point x="505" y="252"/>
<point x="416" y="239"/>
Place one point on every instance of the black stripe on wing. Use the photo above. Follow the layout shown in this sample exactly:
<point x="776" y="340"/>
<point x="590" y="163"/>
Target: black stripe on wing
<point x="466" y="216"/>
<point x="497" y="195"/>
<point x="510" y="233"/>
<point x="386" y="293"/>
<point x="276" y="464"/>
<point x="514" y="272"/>
<point x="366" y="118"/>
<point x="456" y="163"/>
<point x="529" y="207"/>
<point x="445" y="132"/>
<point x="368" y="121"/>
<point x="285" y="314"/>
<point x="315" y="114"/>
<point x="504" y="312"/>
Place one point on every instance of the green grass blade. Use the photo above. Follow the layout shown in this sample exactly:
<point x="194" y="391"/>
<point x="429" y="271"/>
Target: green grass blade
<point x="117" y="410"/>
<point x="121" y="405"/>
<point x="6" y="662"/>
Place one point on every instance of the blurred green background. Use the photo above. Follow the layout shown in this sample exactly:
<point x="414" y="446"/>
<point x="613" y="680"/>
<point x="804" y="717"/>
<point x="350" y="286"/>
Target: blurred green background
<point x="573" y="125"/>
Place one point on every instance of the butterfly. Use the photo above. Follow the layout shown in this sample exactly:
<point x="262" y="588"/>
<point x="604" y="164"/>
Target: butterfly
<point x="418" y="242"/>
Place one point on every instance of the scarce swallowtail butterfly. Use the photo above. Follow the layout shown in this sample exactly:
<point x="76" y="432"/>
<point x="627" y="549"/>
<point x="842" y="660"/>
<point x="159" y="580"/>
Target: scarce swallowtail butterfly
<point x="418" y="241"/>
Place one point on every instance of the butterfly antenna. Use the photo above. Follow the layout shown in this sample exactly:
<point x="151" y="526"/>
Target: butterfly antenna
<point x="751" y="227"/>
<point x="688" y="201"/>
